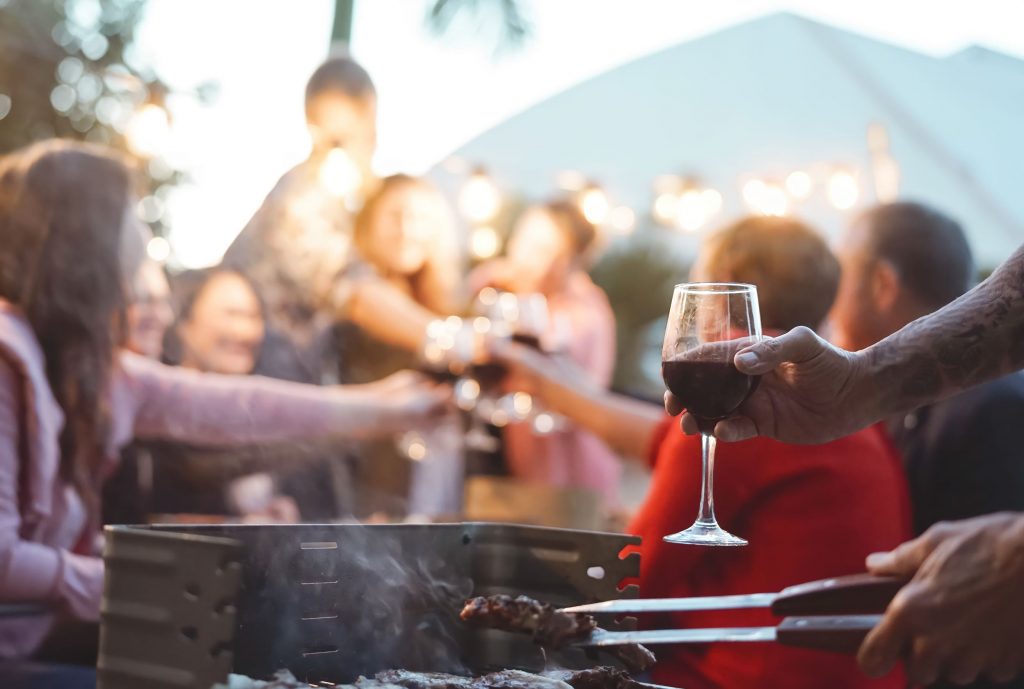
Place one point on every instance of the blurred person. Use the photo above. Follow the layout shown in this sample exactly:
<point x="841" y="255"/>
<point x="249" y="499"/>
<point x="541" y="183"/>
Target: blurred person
<point x="547" y="254"/>
<point x="404" y="276"/>
<point x="958" y="618"/>
<point x="299" y="241"/>
<point x="902" y="261"/>
<point x="149" y="312"/>
<point x="71" y="396"/>
<point x="809" y="512"/>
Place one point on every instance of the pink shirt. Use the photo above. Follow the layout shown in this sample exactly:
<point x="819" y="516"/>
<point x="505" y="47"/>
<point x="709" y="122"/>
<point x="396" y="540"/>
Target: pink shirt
<point x="574" y="457"/>
<point x="43" y="522"/>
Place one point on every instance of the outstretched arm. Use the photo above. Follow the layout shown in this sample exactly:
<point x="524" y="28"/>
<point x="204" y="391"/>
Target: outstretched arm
<point x="813" y="392"/>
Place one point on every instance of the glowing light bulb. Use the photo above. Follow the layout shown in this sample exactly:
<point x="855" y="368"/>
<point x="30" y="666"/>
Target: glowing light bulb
<point x="158" y="249"/>
<point x="484" y="242"/>
<point x="843" y="190"/>
<point x="766" y="198"/>
<point x="479" y="200"/>
<point x="799" y="184"/>
<point x="690" y="212"/>
<point x="712" y="202"/>
<point x="149" y="131"/>
<point x="594" y="205"/>
<point x="666" y="207"/>
<point x="622" y="219"/>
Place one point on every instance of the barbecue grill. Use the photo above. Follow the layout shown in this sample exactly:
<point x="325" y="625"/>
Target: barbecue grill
<point x="185" y="605"/>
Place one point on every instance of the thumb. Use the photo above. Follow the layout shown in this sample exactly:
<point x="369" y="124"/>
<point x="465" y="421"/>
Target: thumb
<point x="798" y="345"/>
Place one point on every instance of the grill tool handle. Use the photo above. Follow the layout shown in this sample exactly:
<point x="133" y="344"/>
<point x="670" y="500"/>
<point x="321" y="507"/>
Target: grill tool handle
<point x="841" y="634"/>
<point x="858" y="594"/>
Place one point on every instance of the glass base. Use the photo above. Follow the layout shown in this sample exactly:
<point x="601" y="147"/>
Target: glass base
<point x="705" y="534"/>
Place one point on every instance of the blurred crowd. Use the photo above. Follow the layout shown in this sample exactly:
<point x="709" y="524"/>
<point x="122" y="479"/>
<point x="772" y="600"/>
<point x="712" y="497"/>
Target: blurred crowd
<point x="344" y="363"/>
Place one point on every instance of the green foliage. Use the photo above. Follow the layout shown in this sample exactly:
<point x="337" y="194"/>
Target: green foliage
<point x="638" y="277"/>
<point x="68" y="69"/>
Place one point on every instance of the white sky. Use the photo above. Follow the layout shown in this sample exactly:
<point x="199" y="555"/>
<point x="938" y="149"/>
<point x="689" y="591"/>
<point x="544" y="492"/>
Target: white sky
<point x="435" y="94"/>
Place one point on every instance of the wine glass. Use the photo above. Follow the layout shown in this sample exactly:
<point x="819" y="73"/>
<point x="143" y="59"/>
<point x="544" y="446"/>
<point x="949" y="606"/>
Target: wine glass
<point x="709" y="322"/>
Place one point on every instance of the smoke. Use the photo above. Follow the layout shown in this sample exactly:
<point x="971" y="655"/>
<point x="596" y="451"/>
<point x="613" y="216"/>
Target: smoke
<point x="333" y="602"/>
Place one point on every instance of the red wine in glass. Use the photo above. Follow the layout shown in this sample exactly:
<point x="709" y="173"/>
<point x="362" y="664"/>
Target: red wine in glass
<point x="710" y="390"/>
<point x="707" y="325"/>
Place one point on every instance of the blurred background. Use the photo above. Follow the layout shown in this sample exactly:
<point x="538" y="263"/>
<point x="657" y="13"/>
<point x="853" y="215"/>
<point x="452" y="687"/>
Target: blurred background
<point x="665" y="118"/>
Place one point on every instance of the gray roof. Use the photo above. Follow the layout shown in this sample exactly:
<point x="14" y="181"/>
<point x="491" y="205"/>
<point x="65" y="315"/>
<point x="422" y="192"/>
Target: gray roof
<point x="780" y="93"/>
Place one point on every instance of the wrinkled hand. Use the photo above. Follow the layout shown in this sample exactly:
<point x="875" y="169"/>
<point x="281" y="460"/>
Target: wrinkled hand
<point x="960" y="616"/>
<point x="807" y="392"/>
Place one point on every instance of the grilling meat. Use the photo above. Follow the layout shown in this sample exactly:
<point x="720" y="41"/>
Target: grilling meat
<point x="603" y="677"/>
<point x="549" y="627"/>
<point x="593" y="678"/>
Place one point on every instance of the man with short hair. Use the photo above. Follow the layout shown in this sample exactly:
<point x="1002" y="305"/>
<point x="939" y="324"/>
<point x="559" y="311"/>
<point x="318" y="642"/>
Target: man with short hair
<point x="900" y="262"/>
<point x="299" y="241"/>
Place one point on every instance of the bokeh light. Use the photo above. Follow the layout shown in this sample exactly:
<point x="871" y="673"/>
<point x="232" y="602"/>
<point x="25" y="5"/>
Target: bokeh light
<point x="158" y="249"/>
<point x="479" y="199"/>
<point x="484" y="242"/>
<point x="149" y="130"/>
<point x="799" y="184"/>
<point x="622" y="219"/>
<point x="843" y="190"/>
<point x="339" y="174"/>
<point x="595" y="205"/>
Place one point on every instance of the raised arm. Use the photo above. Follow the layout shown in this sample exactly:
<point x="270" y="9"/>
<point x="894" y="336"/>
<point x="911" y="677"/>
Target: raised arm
<point x="812" y="392"/>
<point x="175" y="404"/>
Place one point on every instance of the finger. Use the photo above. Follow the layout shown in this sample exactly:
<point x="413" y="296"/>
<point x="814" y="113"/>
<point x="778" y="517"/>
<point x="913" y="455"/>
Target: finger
<point x="672" y="404"/>
<point x="735" y="429"/>
<point x="689" y="424"/>
<point x="967" y="665"/>
<point x="884" y="644"/>
<point x="903" y="560"/>
<point x="798" y="345"/>
<point x="924" y="666"/>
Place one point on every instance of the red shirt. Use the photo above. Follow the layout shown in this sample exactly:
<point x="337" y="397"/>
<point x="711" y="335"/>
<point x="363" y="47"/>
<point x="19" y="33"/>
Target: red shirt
<point x="809" y="512"/>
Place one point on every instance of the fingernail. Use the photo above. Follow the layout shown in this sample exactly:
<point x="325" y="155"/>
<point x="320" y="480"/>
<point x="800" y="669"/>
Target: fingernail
<point x="747" y="358"/>
<point x="875" y="560"/>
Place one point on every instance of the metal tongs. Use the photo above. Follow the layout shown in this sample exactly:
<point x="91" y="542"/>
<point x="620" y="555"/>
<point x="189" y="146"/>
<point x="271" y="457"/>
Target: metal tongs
<point x="830" y="615"/>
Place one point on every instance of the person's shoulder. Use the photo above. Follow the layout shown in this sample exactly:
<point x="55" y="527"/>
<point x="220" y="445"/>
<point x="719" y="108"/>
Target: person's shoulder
<point x="1004" y="395"/>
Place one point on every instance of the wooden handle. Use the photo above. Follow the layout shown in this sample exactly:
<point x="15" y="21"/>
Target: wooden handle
<point x="842" y="634"/>
<point x="858" y="594"/>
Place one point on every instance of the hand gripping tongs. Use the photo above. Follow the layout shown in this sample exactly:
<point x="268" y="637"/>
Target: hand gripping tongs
<point x="830" y="615"/>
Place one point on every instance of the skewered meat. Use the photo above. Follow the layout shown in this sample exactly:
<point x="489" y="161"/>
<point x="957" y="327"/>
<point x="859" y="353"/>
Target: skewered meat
<point x="549" y="627"/>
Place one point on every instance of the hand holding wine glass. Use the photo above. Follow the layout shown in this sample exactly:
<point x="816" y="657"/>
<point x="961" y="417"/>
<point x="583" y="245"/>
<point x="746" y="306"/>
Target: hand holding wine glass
<point x="707" y="325"/>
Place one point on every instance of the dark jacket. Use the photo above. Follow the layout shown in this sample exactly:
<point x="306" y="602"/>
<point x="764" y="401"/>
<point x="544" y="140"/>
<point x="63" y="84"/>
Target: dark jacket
<point x="965" y="457"/>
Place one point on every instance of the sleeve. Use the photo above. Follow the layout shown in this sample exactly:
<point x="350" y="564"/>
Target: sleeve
<point x="167" y="403"/>
<point x="32" y="571"/>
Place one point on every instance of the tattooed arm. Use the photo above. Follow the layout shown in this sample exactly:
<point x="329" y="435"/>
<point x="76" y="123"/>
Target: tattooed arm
<point x="813" y="392"/>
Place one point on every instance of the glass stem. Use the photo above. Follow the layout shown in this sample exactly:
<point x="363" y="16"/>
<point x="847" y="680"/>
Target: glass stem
<point x="706" y="516"/>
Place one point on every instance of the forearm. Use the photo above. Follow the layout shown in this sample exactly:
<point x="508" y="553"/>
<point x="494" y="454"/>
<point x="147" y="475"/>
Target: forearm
<point x="390" y="316"/>
<point x="977" y="338"/>
<point x="210" y="409"/>
<point x="625" y="424"/>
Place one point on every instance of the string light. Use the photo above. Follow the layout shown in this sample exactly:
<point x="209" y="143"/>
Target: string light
<point x="766" y="198"/>
<point x="843" y="190"/>
<point x="666" y="206"/>
<point x="339" y="174"/>
<point x="484" y="242"/>
<point x="622" y="219"/>
<point x="594" y="204"/>
<point x="798" y="184"/>
<point x="479" y="201"/>
<point x="149" y="131"/>
<point x="690" y="212"/>
<point x="158" y="249"/>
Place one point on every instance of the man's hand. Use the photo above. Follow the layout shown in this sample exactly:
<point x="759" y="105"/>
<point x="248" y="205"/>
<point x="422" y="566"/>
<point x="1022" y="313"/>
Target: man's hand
<point x="960" y="616"/>
<point x="810" y="392"/>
